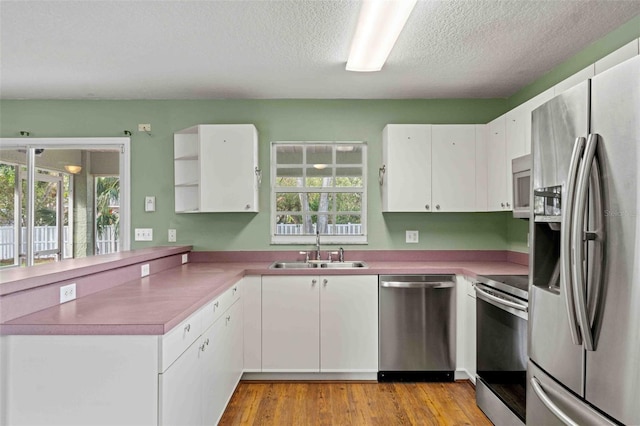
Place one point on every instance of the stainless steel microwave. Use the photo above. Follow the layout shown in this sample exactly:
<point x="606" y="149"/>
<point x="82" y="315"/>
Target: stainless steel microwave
<point x="521" y="169"/>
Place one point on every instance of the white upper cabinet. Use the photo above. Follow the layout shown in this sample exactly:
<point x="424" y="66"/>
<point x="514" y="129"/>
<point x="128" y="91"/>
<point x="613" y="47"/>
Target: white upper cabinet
<point x="497" y="196"/>
<point x="627" y="51"/>
<point x="482" y="133"/>
<point x="406" y="172"/>
<point x="453" y="171"/>
<point x="216" y="168"/>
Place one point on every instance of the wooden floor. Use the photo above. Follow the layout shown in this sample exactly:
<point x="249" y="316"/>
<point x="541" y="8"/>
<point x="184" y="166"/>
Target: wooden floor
<point x="354" y="404"/>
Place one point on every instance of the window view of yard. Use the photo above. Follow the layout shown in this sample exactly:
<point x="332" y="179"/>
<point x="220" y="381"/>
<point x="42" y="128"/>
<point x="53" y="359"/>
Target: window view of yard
<point x="319" y="187"/>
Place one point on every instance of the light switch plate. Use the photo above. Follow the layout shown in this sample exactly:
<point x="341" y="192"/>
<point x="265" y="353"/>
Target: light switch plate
<point x="144" y="270"/>
<point x="412" y="237"/>
<point x="185" y="258"/>
<point x="143" y="234"/>
<point x="150" y="203"/>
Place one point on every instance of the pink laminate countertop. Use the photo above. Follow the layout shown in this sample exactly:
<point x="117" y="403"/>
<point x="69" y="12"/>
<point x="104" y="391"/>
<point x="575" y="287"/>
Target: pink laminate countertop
<point x="155" y="304"/>
<point x="18" y="279"/>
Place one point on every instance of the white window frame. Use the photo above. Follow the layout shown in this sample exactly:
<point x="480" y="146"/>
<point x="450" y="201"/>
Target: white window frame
<point x="324" y="239"/>
<point x="91" y="143"/>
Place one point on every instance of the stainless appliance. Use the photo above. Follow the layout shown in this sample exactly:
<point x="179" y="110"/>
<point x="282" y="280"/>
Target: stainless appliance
<point x="585" y="273"/>
<point x="501" y="339"/>
<point x="521" y="175"/>
<point x="417" y="328"/>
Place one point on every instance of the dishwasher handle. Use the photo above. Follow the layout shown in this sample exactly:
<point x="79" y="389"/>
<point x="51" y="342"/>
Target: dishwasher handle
<point x="416" y="284"/>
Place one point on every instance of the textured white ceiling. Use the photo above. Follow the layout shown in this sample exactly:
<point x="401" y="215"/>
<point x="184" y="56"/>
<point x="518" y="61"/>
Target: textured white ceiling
<point x="97" y="49"/>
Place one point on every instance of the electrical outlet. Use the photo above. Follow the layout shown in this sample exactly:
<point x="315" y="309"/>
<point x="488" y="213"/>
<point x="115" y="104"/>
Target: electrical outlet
<point x="411" y="237"/>
<point x="143" y="234"/>
<point x="67" y="293"/>
<point x="144" y="270"/>
<point x="149" y="203"/>
<point x="144" y="127"/>
<point x="185" y="258"/>
<point x="172" y="236"/>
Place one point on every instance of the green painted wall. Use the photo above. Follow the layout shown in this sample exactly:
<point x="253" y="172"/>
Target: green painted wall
<point x="152" y="164"/>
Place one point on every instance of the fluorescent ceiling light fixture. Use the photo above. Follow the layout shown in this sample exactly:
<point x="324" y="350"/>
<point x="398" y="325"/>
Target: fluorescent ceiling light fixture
<point x="320" y="166"/>
<point x="379" y="26"/>
<point x="345" y="148"/>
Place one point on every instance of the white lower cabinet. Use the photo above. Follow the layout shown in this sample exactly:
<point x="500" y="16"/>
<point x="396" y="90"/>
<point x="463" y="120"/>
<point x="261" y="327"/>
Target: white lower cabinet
<point x="290" y="324"/>
<point x="349" y="323"/>
<point x="320" y="323"/>
<point x="196" y="388"/>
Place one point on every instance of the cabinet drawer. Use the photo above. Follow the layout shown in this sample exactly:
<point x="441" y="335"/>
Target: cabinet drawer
<point x="176" y="341"/>
<point x="214" y="310"/>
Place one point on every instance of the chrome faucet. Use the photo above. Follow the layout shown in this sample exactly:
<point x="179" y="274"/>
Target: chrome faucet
<point x="318" y="244"/>
<point x="341" y="255"/>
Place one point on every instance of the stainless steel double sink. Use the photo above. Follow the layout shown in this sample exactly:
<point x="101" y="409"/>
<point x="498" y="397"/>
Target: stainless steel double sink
<point x="318" y="264"/>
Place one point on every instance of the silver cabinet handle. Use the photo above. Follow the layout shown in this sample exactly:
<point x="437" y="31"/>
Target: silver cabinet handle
<point x="202" y="347"/>
<point x="216" y="305"/>
<point x="578" y="238"/>
<point x="313" y="282"/>
<point x="437" y="206"/>
<point x="381" y="171"/>
<point x="258" y="173"/>
<point x="565" y="241"/>
<point x="235" y="289"/>
<point x="426" y="206"/>
<point x="206" y="342"/>
<point x="325" y="281"/>
<point x="187" y="328"/>
<point x="247" y="207"/>
<point x="228" y="319"/>
<point x="537" y="388"/>
<point x="502" y="205"/>
<point x="508" y="205"/>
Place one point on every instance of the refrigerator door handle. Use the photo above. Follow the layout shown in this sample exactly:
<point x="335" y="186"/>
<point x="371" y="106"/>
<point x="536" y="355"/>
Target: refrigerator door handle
<point x="598" y="236"/>
<point x="565" y="240"/>
<point x="542" y="395"/>
<point x="578" y="237"/>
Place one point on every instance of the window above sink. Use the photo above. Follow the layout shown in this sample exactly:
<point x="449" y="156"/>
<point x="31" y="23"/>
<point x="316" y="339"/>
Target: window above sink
<point x="318" y="186"/>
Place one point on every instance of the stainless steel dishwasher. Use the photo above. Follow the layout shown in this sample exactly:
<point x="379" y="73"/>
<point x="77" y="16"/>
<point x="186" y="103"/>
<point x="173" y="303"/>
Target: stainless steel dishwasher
<point x="417" y="328"/>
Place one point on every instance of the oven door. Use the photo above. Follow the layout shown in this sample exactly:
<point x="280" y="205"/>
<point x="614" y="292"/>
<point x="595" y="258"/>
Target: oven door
<point x="501" y="330"/>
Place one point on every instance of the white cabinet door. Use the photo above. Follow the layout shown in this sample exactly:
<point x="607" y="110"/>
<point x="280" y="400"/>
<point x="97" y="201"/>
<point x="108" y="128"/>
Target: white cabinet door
<point x="349" y="323"/>
<point x="180" y="389"/>
<point x="290" y="324"/>
<point x="228" y="156"/>
<point x="221" y="363"/>
<point x="214" y="359"/>
<point x="515" y="126"/>
<point x="454" y="168"/>
<point x="252" y="312"/>
<point x="496" y="166"/>
<point x="406" y="157"/>
<point x="481" y="167"/>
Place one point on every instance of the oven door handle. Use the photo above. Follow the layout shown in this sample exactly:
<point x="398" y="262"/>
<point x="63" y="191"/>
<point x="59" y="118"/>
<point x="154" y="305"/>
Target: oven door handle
<point x="544" y="398"/>
<point x="488" y="296"/>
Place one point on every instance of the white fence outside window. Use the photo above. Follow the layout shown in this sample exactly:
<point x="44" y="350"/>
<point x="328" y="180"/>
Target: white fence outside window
<point x="45" y="237"/>
<point x="338" y="229"/>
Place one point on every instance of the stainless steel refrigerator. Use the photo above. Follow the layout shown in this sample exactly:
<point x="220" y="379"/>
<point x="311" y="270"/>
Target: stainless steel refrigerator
<point x="584" y="320"/>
